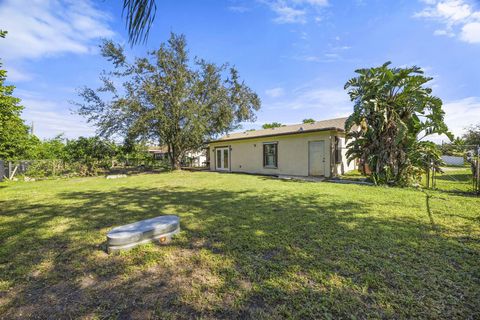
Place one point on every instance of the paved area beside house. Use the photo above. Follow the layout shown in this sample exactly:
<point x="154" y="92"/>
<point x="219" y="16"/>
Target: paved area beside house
<point x="301" y="178"/>
<point x="346" y="181"/>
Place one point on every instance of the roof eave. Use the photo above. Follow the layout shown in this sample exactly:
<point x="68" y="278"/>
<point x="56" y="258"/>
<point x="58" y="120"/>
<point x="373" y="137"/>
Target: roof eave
<point x="279" y="134"/>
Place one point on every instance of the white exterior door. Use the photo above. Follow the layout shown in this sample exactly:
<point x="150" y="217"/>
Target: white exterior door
<point x="222" y="158"/>
<point x="316" y="158"/>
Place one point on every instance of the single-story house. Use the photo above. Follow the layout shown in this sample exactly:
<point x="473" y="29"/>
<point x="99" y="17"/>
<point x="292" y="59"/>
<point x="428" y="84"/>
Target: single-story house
<point x="312" y="149"/>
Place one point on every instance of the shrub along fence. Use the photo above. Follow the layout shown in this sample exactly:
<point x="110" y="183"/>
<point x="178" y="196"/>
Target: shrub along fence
<point x="51" y="168"/>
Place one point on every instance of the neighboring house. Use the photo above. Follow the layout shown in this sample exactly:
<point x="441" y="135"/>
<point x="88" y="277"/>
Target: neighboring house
<point x="191" y="159"/>
<point x="316" y="149"/>
<point x="196" y="158"/>
<point x="159" y="153"/>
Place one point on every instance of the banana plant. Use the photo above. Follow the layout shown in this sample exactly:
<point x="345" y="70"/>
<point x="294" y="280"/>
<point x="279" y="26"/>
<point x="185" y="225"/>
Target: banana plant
<point x="393" y="111"/>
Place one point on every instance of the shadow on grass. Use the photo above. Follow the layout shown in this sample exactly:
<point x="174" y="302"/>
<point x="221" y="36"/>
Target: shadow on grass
<point x="240" y="255"/>
<point x="455" y="177"/>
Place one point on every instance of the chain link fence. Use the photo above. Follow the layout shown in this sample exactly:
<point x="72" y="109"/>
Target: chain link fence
<point x="461" y="173"/>
<point x="42" y="169"/>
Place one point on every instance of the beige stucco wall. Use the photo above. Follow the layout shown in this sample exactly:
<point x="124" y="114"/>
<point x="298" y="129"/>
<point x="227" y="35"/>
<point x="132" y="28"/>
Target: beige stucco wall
<point x="247" y="155"/>
<point x="344" y="166"/>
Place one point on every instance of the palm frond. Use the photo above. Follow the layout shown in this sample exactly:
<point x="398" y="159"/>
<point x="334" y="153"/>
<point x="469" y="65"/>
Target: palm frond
<point x="139" y="17"/>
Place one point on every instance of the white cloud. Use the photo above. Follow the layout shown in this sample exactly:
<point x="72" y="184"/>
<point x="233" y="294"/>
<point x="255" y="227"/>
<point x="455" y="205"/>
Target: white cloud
<point x="51" y="118"/>
<point x="286" y="14"/>
<point x="18" y="75"/>
<point x="471" y="32"/>
<point x="275" y="92"/>
<point x="40" y="28"/>
<point x="461" y="114"/>
<point x="431" y="2"/>
<point x="442" y="32"/>
<point x="321" y="3"/>
<point x="325" y="58"/>
<point x="295" y="11"/>
<point x="323" y="103"/>
<point x="239" y="9"/>
<point x="458" y="17"/>
<point x="332" y="55"/>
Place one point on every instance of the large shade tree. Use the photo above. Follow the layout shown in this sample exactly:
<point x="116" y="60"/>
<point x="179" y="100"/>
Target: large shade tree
<point x="393" y="113"/>
<point x="168" y="99"/>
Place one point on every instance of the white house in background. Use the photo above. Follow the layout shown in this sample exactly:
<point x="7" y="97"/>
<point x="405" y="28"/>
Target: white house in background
<point x="316" y="149"/>
<point x="453" y="160"/>
<point x="196" y="158"/>
<point x="191" y="159"/>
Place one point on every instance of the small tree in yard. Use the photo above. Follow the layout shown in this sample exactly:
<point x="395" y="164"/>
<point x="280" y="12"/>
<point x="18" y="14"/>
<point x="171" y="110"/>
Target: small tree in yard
<point x="15" y="140"/>
<point x="393" y="113"/>
<point x="168" y="99"/>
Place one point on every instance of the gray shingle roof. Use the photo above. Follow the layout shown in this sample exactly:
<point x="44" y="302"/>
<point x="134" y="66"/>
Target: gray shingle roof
<point x="323" y="125"/>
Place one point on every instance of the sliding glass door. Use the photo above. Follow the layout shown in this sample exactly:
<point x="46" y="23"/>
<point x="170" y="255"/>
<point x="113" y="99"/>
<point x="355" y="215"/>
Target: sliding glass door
<point x="223" y="158"/>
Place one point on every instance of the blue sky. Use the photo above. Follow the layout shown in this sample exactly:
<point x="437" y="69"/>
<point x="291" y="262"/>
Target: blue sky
<point x="296" y="54"/>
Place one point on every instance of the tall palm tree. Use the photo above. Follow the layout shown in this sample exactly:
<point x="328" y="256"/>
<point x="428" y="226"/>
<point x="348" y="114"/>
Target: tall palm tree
<point x="139" y="16"/>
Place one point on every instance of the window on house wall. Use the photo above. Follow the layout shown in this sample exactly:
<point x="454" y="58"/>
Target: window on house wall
<point x="270" y="155"/>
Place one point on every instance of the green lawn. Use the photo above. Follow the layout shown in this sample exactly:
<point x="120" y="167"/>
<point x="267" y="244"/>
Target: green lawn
<point x="456" y="179"/>
<point x="250" y="247"/>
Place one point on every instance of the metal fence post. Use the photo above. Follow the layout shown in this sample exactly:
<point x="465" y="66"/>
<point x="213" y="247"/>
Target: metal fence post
<point x="478" y="171"/>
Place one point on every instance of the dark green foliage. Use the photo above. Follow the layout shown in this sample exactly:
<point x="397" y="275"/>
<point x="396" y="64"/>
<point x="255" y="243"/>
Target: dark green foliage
<point x="50" y="149"/>
<point x="93" y="153"/>
<point x="15" y="140"/>
<point x="457" y="147"/>
<point x="393" y="112"/>
<point x="85" y="157"/>
<point x="272" y="125"/>
<point x="309" y="120"/>
<point x="168" y="100"/>
<point x="472" y="137"/>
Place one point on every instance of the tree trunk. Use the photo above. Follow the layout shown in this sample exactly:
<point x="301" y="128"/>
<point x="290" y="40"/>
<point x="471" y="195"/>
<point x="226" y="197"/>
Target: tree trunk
<point x="176" y="164"/>
<point x="174" y="158"/>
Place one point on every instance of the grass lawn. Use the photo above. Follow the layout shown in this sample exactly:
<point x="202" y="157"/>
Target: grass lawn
<point x="457" y="179"/>
<point x="250" y="247"/>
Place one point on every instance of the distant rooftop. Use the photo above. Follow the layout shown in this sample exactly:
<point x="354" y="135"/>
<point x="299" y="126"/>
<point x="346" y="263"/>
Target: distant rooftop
<point x="157" y="149"/>
<point x="323" y="125"/>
